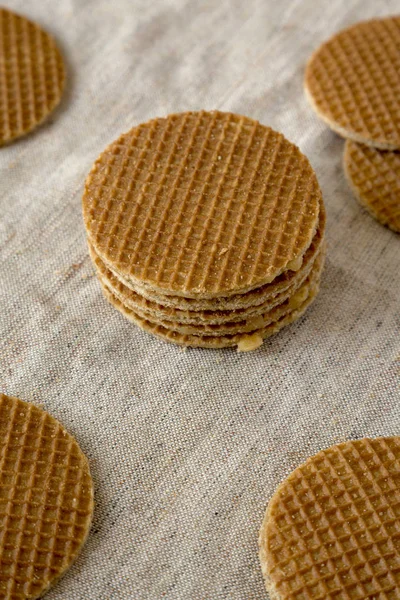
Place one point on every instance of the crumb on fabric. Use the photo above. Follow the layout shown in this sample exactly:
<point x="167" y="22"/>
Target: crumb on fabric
<point x="249" y="342"/>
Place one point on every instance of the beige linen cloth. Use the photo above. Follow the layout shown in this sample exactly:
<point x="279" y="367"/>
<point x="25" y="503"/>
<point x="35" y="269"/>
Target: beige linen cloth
<point x="186" y="448"/>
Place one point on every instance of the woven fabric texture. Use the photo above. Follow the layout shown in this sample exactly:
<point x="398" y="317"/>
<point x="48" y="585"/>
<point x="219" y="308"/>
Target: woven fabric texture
<point x="187" y="447"/>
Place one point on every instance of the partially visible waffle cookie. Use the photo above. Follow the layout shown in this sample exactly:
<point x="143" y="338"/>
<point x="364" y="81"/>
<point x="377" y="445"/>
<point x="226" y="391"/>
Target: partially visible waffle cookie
<point x="205" y="225"/>
<point x="332" y="528"/>
<point x="32" y="75"/>
<point x="46" y="500"/>
<point x="353" y="82"/>
<point x="374" y="177"/>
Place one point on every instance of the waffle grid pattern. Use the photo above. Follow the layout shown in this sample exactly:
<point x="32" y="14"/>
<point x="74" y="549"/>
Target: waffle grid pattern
<point x="332" y="530"/>
<point x="201" y="204"/>
<point x="353" y="82"/>
<point x="375" y="178"/>
<point x="46" y="500"/>
<point x="32" y="75"/>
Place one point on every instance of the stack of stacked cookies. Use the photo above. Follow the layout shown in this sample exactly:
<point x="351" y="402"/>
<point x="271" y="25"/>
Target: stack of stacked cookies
<point x="353" y="83"/>
<point x="206" y="229"/>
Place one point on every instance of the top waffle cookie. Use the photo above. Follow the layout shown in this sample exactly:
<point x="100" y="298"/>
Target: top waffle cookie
<point x="353" y="82"/>
<point x="32" y="75"/>
<point x="201" y="204"/>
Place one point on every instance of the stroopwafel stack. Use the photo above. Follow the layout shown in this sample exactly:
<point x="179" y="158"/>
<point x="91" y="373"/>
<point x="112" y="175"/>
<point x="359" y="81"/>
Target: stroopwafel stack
<point x="353" y="84"/>
<point x="206" y="229"/>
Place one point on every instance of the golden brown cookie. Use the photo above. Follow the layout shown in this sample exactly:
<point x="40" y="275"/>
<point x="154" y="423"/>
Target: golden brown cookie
<point x="353" y="82"/>
<point x="32" y="75"/>
<point x="374" y="177"/>
<point x="201" y="205"/>
<point x="332" y="529"/>
<point x="46" y="500"/>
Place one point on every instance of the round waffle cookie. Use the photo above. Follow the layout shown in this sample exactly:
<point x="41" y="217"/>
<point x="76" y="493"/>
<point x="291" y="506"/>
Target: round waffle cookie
<point x="332" y="528"/>
<point x="32" y="75"/>
<point x="201" y="205"/>
<point x="353" y="82"/>
<point x="374" y="176"/>
<point x="46" y="500"/>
